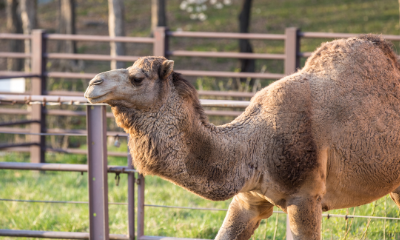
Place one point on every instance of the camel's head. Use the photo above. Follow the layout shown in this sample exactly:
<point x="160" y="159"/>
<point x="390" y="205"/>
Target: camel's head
<point x="138" y="86"/>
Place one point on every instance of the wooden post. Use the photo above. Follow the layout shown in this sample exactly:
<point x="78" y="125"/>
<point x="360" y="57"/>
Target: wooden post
<point x="160" y="47"/>
<point x="38" y="86"/>
<point x="291" y="49"/>
<point x="96" y="124"/>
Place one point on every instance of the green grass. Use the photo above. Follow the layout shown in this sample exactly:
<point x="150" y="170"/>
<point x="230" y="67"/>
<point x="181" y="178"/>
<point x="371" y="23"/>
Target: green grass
<point x="63" y="186"/>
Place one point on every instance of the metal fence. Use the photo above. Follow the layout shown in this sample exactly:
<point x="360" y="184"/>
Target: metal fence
<point x="96" y="132"/>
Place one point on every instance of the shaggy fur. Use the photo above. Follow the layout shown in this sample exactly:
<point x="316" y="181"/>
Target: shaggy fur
<point x="326" y="137"/>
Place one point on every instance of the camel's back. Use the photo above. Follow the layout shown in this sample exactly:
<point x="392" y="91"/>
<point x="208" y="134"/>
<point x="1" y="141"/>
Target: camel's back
<point x="347" y="100"/>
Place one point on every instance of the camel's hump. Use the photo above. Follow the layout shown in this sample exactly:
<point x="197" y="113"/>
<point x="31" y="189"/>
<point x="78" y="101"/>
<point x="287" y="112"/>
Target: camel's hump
<point x="366" y="54"/>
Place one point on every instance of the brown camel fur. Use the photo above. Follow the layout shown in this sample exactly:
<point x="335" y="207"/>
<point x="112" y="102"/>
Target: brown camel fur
<point x="326" y="137"/>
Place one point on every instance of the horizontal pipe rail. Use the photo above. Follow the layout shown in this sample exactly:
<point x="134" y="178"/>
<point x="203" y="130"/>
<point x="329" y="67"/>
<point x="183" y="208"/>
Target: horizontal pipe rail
<point x="41" y="98"/>
<point x="255" y="36"/>
<point x="12" y="145"/>
<point x="15" y="93"/>
<point x="184" y="72"/>
<point x="61" y="167"/>
<point x="61" y="202"/>
<point x="70" y="75"/>
<point x="64" y="93"/>
<point x="231" y="74"/>
<point x="181" y="53"/>
<point x="15" y="74"/>
<point x="342" y="35"/>
<point x="58" y="112"/>
<point x="57" y="132"/>
<point x="70" y="99"/>
<point x="84" y="132"/>
<point x="14" y="36"/>
<point x="96" y="57"/>
<point x="94" y="38"/>
<point x="56" y="235"/>
<point x="200" y="92"/>
<point x="224" y="103"/>
<point x="14" y="111"/>
<point x="17" y="149"/>
<point x="222" y="113"/>
<point x="58" y="150"/>
<point x="18" y="123"/>
<point x="326" y="35"/>
<point x="14" y="55"/>
<point x="225" y="94"/>
<point x="304" y="54"/>
<point x="83" y="152"/>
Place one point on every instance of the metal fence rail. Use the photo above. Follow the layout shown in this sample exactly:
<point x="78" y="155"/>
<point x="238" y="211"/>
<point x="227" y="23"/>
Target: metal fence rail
<point x="98" y="205"/>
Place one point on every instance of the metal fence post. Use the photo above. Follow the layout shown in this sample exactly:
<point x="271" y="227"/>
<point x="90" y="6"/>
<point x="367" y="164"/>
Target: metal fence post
<point x="291" y="49"/>
<point x="96" y="124"/>
<point x="160" y="46"/>
<point x="140" y="224"/>
<point x="289" y="235"/>
<point x="38" y="87"/>
<point x="131" y="198"/>
<point x="292" y="45"/>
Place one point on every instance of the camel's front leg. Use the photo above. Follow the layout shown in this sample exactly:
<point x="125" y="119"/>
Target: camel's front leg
<point x="305" y="217"/>
<point x="244" y="215"/>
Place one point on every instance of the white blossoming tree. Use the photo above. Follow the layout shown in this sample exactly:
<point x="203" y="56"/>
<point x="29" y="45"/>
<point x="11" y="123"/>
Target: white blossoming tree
<point x="197" y="10"/>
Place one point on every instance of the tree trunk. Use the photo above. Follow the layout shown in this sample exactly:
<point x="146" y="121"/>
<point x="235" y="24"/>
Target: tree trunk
<point x="399" y="14"/>
<point x="66" y="25"/>
<point x="247" y="65"/>
<point x="158" y="15"/>
<point x="14" y="25"/>
<point x="116" y="28"/>
<point x="29" y="22"/>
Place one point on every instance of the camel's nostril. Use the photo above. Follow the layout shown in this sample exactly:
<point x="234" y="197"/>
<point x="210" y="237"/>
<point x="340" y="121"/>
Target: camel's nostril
<point x="97" y="82"/>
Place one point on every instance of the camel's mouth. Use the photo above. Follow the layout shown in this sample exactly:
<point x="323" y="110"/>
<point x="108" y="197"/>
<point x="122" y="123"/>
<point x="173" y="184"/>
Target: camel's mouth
<point x="96" y="99"/>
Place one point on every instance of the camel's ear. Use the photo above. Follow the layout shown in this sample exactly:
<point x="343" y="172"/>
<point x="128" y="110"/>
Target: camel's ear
<point x="166" y="69"/>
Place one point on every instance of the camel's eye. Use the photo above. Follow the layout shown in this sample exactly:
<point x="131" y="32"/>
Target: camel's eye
<point x="135" y="80"/>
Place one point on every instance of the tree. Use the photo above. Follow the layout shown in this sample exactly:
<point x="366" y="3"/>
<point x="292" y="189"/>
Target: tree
<point x="116" y="28"/>
<point x="66" y="25"/>
<point x="399" y="13"/>
<point x="29" y="21"/>
<point x="247" y="65"/>
<point x="14" y="25"/>
<point x="158" y="15"/>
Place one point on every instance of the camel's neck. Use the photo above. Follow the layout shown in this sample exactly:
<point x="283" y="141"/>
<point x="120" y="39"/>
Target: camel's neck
<point x="173" y="143"/>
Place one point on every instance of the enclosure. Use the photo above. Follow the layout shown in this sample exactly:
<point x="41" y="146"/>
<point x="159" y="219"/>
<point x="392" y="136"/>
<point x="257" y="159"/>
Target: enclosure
<point x="41" y="103"/>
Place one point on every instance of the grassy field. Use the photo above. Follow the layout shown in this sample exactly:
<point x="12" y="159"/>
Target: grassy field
<point x="26" y="185"/>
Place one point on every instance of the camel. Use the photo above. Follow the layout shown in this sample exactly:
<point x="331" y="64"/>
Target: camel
<point x="325" y="137"/>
